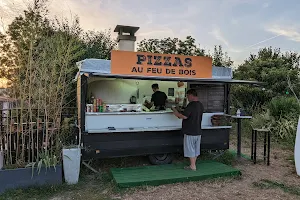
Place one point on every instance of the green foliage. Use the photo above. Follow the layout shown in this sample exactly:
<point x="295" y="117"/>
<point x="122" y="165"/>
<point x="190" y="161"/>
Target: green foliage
<point x="248" y="97"/>
<point x="269" y="184"/>
<point x="171" y="46"/>
<point x="33" y="30"/>
<point x="25" y="31"/>
<point x="98" y="44"/>
<point x="45" y="159"/>
<point x="227" y="158"/>
<point x="68" y="132"/>
<point x="272" y="67"/>
<point x="263" y="120"/>
<point x="283" y="128"/>
<point x="284" y="106"/>
<point x="184" y="47"/>
<point x="220" y="58"/>
<point x="280" y="73"/>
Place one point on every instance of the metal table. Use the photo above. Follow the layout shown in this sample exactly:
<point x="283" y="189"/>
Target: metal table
<point x="239" y="132"/>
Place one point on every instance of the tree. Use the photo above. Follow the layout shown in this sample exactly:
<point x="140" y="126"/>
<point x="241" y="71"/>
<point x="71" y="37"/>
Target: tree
<point x="171" y="46"/>
<point x="27" y="31"/>
<point x="98" y="44"/>
<point x="220" y="58"/>
<point x="92" y="45"/>
<point x="274" y="68"/>
<point x="184" y="47"/>
<point x="23" y="32"/>
<point x="38" y="57"/>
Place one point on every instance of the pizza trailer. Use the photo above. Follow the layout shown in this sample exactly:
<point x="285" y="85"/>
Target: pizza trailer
<point x="111" y="93"/>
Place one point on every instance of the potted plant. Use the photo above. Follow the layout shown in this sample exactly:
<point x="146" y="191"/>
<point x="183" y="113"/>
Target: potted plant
<point x="71" y="152"/>
<point x="46" y="170"/>
<point x="71" y="163"/>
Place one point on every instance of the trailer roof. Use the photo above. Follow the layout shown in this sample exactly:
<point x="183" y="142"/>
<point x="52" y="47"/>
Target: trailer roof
<point x="102" y="68"/>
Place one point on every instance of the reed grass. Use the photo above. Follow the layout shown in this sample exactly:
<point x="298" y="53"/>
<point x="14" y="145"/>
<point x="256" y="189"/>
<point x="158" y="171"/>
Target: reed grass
<point x="41" y="82"/>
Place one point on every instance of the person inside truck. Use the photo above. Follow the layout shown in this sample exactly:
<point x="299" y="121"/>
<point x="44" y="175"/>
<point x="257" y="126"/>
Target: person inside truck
<point x="180" y="96"/>
<point x="158" y="98"/>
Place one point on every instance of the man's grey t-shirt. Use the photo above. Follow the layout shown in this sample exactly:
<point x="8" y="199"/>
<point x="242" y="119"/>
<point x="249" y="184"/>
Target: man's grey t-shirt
<point x="193" y="112"/>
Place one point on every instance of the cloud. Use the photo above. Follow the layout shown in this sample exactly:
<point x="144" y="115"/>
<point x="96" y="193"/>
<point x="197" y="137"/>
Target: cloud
<point x="161" y="33"/>
<point x="234" y="21"/>
<point x="234" y="50"/>
<point x="103" y="14"/>
<point x="260" y="42"/>
<point x="9" y="10"/>
<point x="288" y="32"/>
<point x="216" y="32"/>
<point x="265" y="5"/>
<point x="95" y="15"/>
<point x="238" y="21"/>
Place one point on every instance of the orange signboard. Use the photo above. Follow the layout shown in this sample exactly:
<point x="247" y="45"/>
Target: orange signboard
<point x="165" y="65"/>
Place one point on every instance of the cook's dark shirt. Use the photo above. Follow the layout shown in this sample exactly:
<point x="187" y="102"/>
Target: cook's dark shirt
<point x="159" y="99"/>
<point x="193" y="112"/>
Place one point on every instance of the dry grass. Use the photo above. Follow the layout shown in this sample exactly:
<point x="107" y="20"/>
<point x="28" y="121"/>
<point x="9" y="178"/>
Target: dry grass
<point x="280" y="170"/>
<point x="248" y="186"/>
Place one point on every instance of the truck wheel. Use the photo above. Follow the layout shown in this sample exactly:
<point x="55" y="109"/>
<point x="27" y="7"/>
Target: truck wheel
<point x="160" y="159"/>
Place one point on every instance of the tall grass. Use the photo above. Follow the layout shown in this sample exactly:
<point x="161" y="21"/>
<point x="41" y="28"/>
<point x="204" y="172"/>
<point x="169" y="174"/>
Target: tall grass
<point x="280" y="116"/>
<point x="284" y="106"/>
<point x="41" y="83"/>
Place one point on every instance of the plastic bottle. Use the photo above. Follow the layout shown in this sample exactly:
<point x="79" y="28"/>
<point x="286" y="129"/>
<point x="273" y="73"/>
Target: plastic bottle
<point x="238" y="113"/>
<point x="92" y="99"/>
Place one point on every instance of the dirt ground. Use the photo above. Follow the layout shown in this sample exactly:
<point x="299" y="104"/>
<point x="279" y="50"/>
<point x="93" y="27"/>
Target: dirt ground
<point x="283" y="183"/>
<point x="280" y="170"/>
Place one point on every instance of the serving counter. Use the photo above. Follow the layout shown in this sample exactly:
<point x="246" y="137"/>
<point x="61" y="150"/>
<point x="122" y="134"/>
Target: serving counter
<point x="111" y="122"/>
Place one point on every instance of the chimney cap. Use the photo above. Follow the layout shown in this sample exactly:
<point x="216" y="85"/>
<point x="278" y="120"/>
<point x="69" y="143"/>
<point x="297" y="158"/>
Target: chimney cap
<point x="126" y="29"/>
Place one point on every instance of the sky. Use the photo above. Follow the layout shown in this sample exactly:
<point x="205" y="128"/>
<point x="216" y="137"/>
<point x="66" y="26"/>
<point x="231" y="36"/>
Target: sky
<point x="240" y="26"/>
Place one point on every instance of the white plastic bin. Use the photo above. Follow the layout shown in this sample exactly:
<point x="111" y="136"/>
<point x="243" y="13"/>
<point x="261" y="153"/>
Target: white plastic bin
<point x="71" y="163"/>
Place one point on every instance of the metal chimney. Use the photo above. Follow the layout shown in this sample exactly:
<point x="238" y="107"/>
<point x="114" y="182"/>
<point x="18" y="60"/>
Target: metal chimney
<point x="126" y="37"/>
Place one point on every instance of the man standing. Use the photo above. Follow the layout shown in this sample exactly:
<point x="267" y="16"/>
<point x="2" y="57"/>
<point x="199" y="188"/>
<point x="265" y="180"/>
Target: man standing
<point x="191" y="128"/>
<point x="158" y="98"/>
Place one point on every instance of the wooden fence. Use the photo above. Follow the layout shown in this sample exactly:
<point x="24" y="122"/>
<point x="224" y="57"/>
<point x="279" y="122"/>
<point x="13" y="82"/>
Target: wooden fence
<point x="23" y="139"/>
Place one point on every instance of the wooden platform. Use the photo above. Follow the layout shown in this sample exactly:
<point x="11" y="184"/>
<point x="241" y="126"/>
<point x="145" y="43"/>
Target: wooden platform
<point x="173" y="173"/>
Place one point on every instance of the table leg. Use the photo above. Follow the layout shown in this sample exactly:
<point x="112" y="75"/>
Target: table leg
<point x="252" y="144"/>
<point x="239" y="137"/>
<point x="265" y="146"/>
<point x="255" y="143"/>
<point x="269" y="143"/>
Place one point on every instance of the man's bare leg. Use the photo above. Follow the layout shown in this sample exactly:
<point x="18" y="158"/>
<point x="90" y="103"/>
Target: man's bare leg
<point x="193" y="163"/>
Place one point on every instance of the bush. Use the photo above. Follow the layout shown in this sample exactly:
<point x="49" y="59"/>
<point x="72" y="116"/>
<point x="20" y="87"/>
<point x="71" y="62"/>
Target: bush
<point x="249" y="98"/>
<point x="262" y="120"/>
<point x="285" y="128"/>
<point x="284" y="106"/>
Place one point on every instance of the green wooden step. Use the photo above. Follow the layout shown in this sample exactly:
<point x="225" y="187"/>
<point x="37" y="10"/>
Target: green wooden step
<point x="172" y="173"/>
